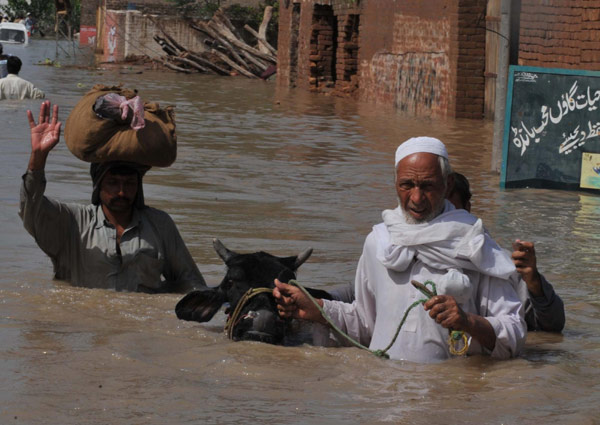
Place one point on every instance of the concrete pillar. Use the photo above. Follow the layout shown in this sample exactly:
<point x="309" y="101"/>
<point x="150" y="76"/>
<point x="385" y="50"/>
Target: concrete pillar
<point x="501" y="85"/>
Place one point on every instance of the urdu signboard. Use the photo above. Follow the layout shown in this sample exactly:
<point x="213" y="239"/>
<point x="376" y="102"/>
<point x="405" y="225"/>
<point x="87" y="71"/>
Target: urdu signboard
<point x="552" y="129"/>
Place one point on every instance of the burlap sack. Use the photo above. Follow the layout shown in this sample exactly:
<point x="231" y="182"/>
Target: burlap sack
<point x="94" y="139"/>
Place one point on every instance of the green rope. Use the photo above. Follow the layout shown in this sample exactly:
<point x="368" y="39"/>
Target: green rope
<point x="416" y="303"/>
<point x="380" y="353"/>
<point x="345" y="335"/>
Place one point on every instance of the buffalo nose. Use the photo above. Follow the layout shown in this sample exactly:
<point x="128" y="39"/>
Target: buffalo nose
<point x="265" y="321"/>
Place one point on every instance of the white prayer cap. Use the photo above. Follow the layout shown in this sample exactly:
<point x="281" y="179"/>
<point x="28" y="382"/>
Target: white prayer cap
<point x="418" y="145"/>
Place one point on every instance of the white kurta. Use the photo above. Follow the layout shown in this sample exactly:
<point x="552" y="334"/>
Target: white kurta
<point x="14" y="87"/>
<point x="384" y="294"/>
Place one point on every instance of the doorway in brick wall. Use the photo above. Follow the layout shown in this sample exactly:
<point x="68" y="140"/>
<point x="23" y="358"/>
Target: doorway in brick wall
<point x="323" y="47"/>
<point x="347" y="63"/>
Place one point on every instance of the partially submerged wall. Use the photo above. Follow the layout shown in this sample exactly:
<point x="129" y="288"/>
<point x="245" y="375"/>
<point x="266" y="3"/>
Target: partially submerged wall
<point x="424" y="57"/>
<point x="130" y="33"/>
<point x="120" y="29"/>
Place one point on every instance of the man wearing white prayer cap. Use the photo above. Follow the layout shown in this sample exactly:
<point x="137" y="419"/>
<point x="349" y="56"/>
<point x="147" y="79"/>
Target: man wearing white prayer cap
<point x="424" y="239"/>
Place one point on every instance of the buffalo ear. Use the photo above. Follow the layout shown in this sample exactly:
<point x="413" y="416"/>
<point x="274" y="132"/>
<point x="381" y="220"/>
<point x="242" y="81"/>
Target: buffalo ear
<point x="200" y="306"/>
<point x="286" y="275"/>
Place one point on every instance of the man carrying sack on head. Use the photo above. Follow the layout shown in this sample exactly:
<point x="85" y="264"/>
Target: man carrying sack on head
<point x="116" y="242"/>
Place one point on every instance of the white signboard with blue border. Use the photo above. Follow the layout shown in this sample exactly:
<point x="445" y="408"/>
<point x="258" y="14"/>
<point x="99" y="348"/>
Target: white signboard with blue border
<point x="552" y="120"/>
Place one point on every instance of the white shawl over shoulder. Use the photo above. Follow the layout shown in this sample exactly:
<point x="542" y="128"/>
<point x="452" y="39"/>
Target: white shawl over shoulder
<point x="454" y="239"/>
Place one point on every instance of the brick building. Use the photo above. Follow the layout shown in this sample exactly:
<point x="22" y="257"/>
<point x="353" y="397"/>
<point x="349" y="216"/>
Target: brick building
<point x="422" y="57"/>
<point x="560" y="34"/>
<point x="428" y="57"/>
<point x="425" y="57"/>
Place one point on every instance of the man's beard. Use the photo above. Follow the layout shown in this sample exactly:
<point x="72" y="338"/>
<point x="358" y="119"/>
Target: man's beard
<point x="435" y="211"/>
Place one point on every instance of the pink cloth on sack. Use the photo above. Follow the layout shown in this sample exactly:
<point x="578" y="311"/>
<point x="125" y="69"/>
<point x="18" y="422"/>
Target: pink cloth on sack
<point x="114" y="105"/>
<point x="136" y="105"/>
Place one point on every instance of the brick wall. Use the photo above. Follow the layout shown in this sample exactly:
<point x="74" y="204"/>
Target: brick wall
<point x="560" y="34"/>
<point x="468" y="47"/>
<point x="414" y="76"/>
<point x="323" y="49"/>
<point x="347" y="58"/>
<point x="425" y="57"/>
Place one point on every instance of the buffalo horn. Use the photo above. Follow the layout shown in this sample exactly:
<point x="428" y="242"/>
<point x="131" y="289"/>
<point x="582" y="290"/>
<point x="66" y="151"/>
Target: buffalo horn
<point x="302" y="257"/>
<point x="223" y="252"/>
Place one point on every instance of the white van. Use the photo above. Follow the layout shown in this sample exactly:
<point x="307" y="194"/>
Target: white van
<point x="11" y="32"/>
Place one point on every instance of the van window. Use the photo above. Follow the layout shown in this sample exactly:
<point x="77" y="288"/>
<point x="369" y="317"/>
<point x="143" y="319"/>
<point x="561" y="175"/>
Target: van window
<point x="7" y="34"/>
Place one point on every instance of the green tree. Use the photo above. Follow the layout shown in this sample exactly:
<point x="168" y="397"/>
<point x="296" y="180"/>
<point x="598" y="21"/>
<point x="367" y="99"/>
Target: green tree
<point x="239" y="15"/>
<point x="196" y="9"/>
<point x="43" y="11"/>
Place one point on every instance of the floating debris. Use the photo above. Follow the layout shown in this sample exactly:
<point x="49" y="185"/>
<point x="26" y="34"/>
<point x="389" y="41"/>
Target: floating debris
<point x="49" y="62"/>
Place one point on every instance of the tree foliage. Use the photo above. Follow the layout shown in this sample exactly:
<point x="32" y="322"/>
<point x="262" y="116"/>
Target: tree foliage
<point x="239" y="15"/>
<point x="196" y="9"/>
<point x="43" y="11"/>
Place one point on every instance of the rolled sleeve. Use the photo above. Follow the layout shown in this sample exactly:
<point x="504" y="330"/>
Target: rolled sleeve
<point x="45" y="219"/>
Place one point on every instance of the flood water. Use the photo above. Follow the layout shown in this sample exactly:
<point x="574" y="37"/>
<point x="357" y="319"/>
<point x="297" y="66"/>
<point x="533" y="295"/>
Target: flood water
<point x="279" y="171"/>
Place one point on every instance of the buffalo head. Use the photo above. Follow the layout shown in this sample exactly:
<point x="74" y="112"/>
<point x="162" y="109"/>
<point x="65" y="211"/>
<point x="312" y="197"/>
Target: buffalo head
<point x="258" y="319"/>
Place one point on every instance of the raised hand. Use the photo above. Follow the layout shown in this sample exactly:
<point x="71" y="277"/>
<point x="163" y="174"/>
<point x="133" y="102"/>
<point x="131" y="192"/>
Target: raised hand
<point x="525" y="261"/>
<point x="44" y="135"/>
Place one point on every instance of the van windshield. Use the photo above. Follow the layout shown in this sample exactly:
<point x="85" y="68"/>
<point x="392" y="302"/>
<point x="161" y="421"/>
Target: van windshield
<point x="8" y="34"/>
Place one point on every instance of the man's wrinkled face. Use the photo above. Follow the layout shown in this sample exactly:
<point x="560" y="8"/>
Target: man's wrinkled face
<point x="421" y="187"/>
<point x="118" y="192"/>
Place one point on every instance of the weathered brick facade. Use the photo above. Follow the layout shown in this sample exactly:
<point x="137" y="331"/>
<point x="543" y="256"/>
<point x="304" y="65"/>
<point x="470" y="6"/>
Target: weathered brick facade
<point x="560" y="34"/>
<point x="424" y="57"/>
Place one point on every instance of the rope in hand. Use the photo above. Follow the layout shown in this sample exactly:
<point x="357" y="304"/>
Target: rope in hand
<point x="453" y="340"/>
<point x="455" y="336"/>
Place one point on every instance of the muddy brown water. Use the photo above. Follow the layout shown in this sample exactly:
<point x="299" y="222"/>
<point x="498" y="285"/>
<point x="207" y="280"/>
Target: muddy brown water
<point x="264" y="169"/>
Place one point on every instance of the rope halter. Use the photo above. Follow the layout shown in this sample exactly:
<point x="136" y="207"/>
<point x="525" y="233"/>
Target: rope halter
<point x="234" y="318"/>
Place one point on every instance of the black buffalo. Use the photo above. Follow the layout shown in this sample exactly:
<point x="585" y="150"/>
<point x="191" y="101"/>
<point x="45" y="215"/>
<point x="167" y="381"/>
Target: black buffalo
<point x="258" y="319"/>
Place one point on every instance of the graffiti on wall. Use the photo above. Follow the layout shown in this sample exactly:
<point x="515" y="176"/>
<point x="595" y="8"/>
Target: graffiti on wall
<point x="412" y="82"/>
<point x="87" y="36"/>
<point x="420" y="87"/>
<point x="112" y="43"/>
<point x="413" y="76"/>
<point x="113" y="36"/>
